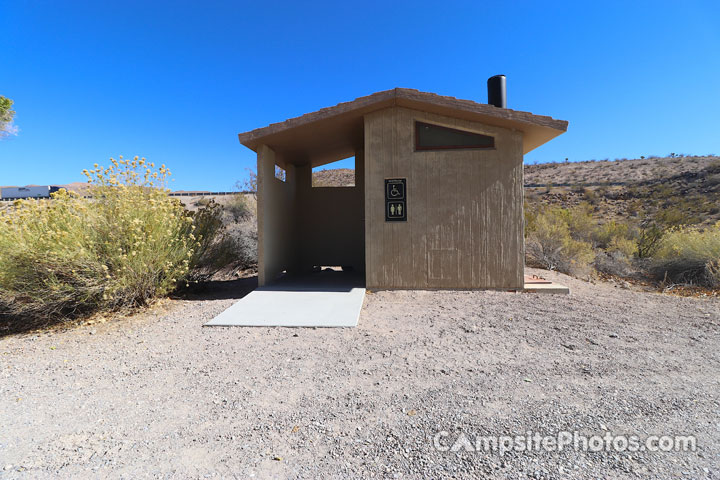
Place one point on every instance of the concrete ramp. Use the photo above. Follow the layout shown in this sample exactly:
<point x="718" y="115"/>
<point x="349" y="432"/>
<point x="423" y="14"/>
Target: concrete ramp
<point x="323" y="299"/>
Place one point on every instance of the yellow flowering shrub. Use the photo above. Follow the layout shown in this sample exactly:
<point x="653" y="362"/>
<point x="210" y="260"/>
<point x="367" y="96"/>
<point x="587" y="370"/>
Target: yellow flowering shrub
<point x="689" y="255"/>
<point x="126" y="244"/>
<point x="550" y="242"/>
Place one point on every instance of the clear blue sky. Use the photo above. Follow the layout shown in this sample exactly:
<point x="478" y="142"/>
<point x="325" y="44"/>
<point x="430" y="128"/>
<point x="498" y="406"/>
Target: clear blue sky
<point x="176" y="81"/>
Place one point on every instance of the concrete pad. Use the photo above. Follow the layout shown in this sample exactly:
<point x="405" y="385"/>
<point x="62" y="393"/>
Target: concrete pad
<point x="546" y="288"/>
<point x="536" y="284"/>
<point x="323" y="299"/>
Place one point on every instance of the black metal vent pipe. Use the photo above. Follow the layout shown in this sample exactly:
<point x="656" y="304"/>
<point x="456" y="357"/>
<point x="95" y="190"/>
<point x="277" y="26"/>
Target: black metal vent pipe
<point x="497" y="91"/>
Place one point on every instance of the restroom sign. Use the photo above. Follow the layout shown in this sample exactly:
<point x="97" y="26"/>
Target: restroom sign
<point x="395" y="200"/>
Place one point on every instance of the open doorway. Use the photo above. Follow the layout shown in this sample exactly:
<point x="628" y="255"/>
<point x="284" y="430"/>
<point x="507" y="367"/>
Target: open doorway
<point x="331" y="220"/>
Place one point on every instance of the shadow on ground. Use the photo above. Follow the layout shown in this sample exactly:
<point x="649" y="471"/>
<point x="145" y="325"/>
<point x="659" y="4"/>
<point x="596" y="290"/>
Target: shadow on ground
<point x="212" y="290"/>
<point x="19" y="326"/>
<point x="218" y="289"/>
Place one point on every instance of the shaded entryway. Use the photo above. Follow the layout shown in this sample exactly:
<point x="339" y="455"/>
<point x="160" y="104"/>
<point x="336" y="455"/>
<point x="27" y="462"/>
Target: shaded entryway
<point x="301" y="226"/>
<point x="327" y="298"/>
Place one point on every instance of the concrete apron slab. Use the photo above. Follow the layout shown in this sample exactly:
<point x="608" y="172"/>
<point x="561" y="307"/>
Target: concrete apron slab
<point x="550" y="288"/>
<point x="323" y="299"/>
<point x="535" y="284"/>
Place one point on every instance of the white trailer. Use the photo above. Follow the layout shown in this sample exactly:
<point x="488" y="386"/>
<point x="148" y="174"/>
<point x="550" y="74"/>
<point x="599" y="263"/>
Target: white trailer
<point x="42" y="191"/>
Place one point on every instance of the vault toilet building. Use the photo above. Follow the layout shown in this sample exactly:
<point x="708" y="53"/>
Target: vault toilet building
<point x="438" y="195"/>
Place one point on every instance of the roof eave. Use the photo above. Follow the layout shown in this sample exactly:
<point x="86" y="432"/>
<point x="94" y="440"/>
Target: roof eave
<point x="538" y="129"/>
<point x="376" y="101"/>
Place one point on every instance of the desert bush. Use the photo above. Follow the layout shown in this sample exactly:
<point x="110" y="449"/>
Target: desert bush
<point x="591" y="195"/>
<point x="123" y="247"/>
<point x="689" y="255"/>
<point x="672" y="217"/>
<point x="634" y="191"/>
<point x="550" y="244"/>
<point x="245" y="239"/>
<point x="653" y="229"/>
<point x="613" y="263"/>
<point x="238" y="207"/>
<point x="662" y="192"/>
<point x="250" y="184"/>
<point x="570" y="239"/>
<point x="713" y="180"/>
<point x="714" y="167"/>
<point x="218" y="249"/>
<point x="243" y="230"/>
<point x="614" y="235"/>
<point x="649" y="239"/>
<point x="203" y="202"/>
<point x="627" y="246"/>
<point x="580" y="221"/>
<point x="233" y="228"/>
<point x="618" y="252"/>
<point x="633" y="207"/>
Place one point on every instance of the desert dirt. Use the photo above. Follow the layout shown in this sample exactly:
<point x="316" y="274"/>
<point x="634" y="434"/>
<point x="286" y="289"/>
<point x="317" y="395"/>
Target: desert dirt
<point x="157" y="395"/>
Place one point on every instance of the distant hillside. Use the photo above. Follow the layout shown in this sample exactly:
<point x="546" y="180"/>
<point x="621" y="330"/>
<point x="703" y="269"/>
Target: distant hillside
<point x="684" y="188"/>
<point x="618" y="171"/>
<point x="339" y="177"/>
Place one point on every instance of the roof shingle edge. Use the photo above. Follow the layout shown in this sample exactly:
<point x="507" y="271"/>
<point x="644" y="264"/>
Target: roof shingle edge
<point x="409" y="94"/>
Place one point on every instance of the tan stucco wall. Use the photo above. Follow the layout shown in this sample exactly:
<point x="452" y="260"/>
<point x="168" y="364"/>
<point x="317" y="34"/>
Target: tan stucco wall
<point x="465" y="207"/>
<point x="276" y="217"/>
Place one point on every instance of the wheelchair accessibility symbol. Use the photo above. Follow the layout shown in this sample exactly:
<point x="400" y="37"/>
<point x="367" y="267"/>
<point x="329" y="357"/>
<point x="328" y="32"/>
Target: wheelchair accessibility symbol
<point x="395" y="189"/>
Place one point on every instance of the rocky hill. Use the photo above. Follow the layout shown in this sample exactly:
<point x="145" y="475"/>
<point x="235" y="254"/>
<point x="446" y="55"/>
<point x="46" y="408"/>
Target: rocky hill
<point x="686" y="189"/>
<point x="608" y="172"/>
<point x="338" y="177"/>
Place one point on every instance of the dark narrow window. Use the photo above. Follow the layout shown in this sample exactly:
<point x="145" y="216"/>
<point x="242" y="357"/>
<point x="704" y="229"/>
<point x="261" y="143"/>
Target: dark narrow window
<point x="435" y="137"/>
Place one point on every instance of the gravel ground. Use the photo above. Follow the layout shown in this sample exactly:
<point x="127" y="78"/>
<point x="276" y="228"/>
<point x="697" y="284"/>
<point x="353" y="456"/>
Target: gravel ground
<point x="157" y="395"/>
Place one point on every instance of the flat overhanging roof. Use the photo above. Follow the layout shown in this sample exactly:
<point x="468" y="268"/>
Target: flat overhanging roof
<point x="335" y="133"/>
